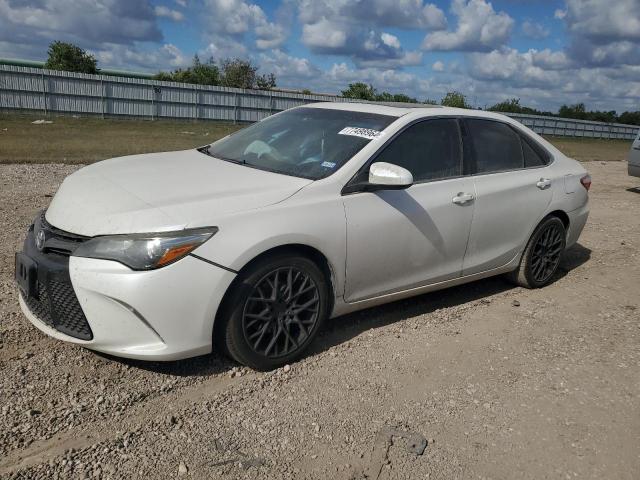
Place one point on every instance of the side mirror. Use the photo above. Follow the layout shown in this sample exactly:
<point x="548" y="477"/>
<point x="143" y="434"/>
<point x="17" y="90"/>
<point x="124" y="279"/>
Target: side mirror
<point x="387" y="176"/>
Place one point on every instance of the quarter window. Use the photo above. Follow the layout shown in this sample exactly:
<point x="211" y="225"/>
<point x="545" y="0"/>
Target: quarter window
<point x="430" y="150"/>
<point x="495" y="145"/>
<point x="531" y="157"/>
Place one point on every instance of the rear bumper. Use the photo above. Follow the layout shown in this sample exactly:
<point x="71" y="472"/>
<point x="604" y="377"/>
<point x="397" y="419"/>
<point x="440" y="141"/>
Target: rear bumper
<point x="634" y="170"/>
<point x="577" y="221"/>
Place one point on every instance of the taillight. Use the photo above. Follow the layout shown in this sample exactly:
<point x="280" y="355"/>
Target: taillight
<point x="586" y="181"/>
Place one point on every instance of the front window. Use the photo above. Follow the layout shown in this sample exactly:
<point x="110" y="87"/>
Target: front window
<point x="303" y="142"/>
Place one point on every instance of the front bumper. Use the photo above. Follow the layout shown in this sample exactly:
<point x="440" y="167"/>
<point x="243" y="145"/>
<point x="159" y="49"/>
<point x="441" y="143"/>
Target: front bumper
<point x="163" y="314"/>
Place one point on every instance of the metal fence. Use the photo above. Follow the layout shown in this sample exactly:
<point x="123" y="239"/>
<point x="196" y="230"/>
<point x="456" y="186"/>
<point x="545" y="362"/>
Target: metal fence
<point x="26" y="88"/>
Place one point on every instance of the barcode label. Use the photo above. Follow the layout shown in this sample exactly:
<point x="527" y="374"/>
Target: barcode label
<point x="367" y="133"/>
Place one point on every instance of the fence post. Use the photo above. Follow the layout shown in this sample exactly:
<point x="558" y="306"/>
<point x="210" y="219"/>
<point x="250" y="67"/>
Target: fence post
<point x="196" y="94"/>
<point x="235" y="108"/>
<point x="44" y="94"/>
<point x="102" y="97"/>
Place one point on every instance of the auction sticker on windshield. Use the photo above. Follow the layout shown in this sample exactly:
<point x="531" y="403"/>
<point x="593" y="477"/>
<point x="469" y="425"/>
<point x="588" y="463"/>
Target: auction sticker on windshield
<point x="367" y="133"/>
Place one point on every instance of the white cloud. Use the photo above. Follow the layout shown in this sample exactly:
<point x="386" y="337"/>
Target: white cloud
<point x="394" y="81"/>
<point x="237" y="18"/>
<point x="162" y="11"/>
<point x="324" y="35"/>
<point x="559" y="14"/>
<point x="223" y="47"/>
<point x="374" y="13"/>
<point x="182" y="3"/>
<point x="509" y="64"/>
<point x="390" y="40"/>
<point x="438" y="66"/>
<point x="604" y="34"/>
<point x="608" y="21"/>
<point x="534" y="30"/>
<point x="86" y="22"/>
<point x="366" y="47"/>
<point x="479" y="28"/>
<point x="288" y="68"/>
<point x="167" y="56"/>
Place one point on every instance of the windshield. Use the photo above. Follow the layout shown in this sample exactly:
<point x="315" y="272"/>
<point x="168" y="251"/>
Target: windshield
<point x="303" y="142"/>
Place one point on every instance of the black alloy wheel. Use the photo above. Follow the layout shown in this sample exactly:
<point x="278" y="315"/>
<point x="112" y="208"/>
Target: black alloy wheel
<point x="542" y="254"/>
<point x="274" y="310"/>
<point x="280" y="312"/>
<point x="546" y="253"/>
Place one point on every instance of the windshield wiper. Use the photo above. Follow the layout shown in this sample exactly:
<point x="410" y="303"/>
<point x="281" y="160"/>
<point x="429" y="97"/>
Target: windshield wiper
<point x="206" y="151"/>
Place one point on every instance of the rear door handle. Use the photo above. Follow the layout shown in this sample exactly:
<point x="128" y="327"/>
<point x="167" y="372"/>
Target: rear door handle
<point x="462" y="198"/>
<point x="543" y="183"/>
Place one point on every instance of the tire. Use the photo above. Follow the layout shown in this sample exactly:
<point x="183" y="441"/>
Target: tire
<point x="275" y="310"/>
<point x="542" y="255"/>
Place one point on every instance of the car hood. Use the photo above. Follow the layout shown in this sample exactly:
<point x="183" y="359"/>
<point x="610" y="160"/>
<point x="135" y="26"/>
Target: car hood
<point x="162" y="192"/>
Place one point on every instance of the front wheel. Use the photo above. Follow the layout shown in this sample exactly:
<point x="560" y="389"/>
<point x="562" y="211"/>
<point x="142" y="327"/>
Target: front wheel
<point x="275" y="311"/>
<point x="542" y="255"/>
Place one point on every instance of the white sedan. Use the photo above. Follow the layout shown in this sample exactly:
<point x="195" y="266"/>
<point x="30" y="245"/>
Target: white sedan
<point x="249" y="244"/>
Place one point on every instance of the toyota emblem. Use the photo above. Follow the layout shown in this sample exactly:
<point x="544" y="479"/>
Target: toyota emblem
<point x="40" y="238"/>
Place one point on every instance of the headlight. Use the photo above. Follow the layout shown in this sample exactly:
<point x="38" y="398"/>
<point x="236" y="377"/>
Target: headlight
<point x="145" y="251"/>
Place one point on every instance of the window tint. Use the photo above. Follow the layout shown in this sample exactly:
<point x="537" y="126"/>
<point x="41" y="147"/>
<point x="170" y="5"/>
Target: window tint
<point x="429" y="150"/>
<point x="531" y="157"/>
<point x="495" y="145"/>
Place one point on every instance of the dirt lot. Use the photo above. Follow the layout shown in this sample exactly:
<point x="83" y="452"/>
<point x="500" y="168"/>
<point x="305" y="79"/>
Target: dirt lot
<point x="504" y="383"/>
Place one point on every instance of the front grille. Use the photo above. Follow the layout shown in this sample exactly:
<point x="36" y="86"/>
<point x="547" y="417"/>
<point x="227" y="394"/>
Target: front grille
<point x="54" y="302"/>
<point x="68" y="312"/>
<point x="40" y="306"/>
<point x="57" y="306"/>
<point x="58" y="241"/>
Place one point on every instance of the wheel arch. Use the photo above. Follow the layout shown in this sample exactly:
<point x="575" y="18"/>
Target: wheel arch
<point x="312" y="253"/>
<point x="562" y="215"/>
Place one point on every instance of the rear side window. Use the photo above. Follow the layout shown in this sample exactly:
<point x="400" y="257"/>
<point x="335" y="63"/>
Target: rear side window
<point x="429" y="150"/>
<point x="531" y="157"/>
<point x="496" y="147"/>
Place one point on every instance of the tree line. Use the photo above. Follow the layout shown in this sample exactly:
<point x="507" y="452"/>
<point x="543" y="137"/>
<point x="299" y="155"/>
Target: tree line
<point x="229" y="72"/>
<point x="242" y="73"/>
<point x="578" y="111"/>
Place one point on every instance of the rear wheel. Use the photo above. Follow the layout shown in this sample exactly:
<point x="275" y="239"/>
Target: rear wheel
<point x="275" y="311"/>
<point x="542" y="255"/>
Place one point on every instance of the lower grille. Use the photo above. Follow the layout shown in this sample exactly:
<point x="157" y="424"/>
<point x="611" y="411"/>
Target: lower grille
<point x="40" y="306"/>
<point x="58" y="307"/>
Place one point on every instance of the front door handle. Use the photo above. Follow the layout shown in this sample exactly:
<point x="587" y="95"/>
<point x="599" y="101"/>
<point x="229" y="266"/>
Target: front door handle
<point x="543" y="183"/>
<point x="462" y="198"/>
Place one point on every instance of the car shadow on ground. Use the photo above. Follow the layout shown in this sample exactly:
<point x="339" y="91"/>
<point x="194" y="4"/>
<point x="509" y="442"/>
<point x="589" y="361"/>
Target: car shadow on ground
<point x="342" y="329"/>
<point x="634" y="189"/>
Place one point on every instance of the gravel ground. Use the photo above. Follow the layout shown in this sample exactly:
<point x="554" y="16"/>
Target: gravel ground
<point x="501" y="382"/>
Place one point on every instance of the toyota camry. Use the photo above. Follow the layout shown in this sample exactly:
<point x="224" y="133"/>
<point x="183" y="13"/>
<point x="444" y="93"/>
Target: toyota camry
<point x="248" y="245"/>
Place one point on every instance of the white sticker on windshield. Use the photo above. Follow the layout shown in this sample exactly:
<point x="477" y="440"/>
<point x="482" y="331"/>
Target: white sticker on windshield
<point x="328" y="164"/>
<point x="367" y="133"/>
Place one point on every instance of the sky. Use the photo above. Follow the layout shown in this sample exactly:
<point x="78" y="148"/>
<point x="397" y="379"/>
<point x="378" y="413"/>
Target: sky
<point x="545" y="52"/>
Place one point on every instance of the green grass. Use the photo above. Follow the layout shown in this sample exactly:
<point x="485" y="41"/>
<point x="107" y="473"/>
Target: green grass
<point x="89" y="139"/>
<point x="592" y="149"/>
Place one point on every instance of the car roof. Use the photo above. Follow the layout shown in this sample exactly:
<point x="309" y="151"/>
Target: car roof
<point x="397" y="109"/>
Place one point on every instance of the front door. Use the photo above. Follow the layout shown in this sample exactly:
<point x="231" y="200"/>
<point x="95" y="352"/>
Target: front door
<point x="400" y="239"/>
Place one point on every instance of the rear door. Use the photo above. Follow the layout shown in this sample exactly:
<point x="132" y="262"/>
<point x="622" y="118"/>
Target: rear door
<point x="513" y="190"/>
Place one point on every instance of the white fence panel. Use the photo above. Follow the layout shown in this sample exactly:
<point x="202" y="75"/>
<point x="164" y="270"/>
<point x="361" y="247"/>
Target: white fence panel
<point x="26" y="88"/>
